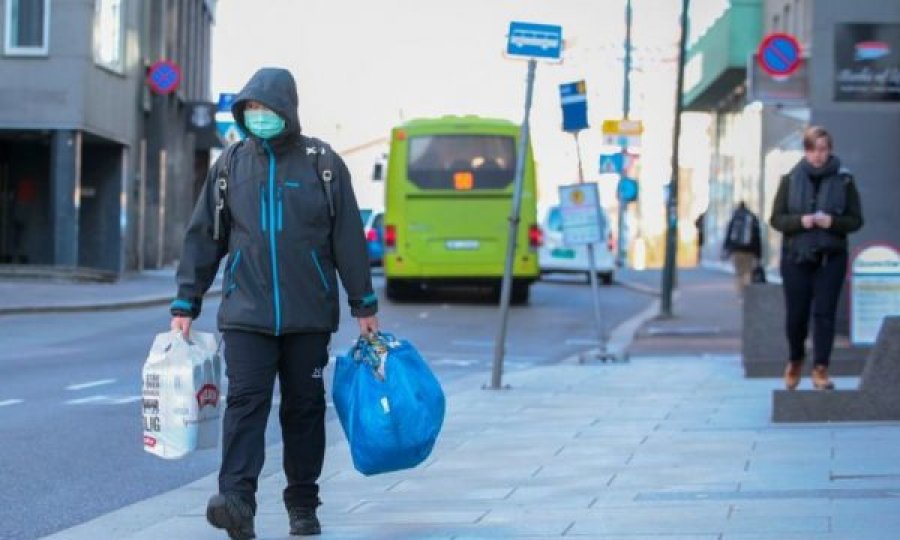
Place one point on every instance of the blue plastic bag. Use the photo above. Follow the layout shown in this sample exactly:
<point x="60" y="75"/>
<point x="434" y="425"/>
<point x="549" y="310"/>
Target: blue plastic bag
<point x="389" y="403"/>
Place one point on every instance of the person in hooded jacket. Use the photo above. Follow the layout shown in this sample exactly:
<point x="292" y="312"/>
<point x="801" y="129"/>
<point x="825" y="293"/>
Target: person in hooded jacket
<point x="286" y="237"/>
<point x="816" y="207"/>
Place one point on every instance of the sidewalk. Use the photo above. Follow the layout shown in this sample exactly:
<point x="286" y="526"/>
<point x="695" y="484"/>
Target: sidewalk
<point x="669" y="445"/>
<point x="148" y="288"/>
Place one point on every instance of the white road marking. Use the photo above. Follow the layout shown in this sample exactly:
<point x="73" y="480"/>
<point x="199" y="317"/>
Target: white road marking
<point x="104" y="400"/>
<point x="6" y="402"/>
<point x="472" y="342"/>
<point x="453" y="362"/>
<point x="581" y="341"/>
<point x="91" y="384"/>
<point x="423" y="315"/>
<point x="89" y="399"/>
<point x="128" y="399"/>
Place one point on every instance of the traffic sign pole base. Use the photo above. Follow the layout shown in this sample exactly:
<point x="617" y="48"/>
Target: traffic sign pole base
<point x="502" y="387"/>
<point x="604" y="355"/>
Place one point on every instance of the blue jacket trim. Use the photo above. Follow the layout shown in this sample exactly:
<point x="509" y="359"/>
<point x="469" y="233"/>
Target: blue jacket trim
<point x="292" y="184"/>
<point x="273" y="244"/>
<point x="182" y="304"/>
<point x="369" y="299"/>
<point x="315" y="259"/>
<point x="231" y="274"/>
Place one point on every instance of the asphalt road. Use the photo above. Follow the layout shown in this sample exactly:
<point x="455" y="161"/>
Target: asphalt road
<point x="70" y="419"/>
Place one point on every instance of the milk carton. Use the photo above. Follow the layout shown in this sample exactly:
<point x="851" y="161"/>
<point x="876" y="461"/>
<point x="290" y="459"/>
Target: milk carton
<point x="181" y="394"/>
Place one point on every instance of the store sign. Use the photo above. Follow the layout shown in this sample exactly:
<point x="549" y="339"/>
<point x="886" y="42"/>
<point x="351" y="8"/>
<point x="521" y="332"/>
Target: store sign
<point x="875" y="291"/>
<point x="867" y="62"/>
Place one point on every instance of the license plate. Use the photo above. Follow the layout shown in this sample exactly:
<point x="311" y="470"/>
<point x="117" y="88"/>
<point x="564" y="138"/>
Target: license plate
<point x="460" y="245"/>
<point x="561" y="253"/>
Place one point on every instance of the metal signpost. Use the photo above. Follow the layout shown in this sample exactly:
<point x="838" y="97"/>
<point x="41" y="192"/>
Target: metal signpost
<point x="580" y="205"/>
<point x="531" y="41"/>
<point x="626" y="134"/>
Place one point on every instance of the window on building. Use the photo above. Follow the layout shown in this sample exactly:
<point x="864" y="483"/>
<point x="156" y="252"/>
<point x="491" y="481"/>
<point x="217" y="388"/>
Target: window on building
<point x="109" y="35"/>
<point x="27" y="26"/>
<point x="787" y="19"/>
<point x="775" y="19"/>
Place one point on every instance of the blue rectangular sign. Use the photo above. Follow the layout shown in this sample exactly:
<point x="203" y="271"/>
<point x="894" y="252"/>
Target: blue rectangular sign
<point x="534" y="40"/>
<point x="612" y="163"/>
<point x="225" y="101"/>
<point x="574" y="105"/>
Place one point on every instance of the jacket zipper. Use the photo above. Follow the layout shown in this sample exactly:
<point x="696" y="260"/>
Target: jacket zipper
<point x="273" y="244"/>
<point x="262" y="208"/>
<point x="315" y="259"/>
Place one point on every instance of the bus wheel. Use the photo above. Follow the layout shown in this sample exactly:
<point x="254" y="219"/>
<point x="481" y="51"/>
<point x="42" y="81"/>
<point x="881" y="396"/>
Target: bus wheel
<point x="397" y="291"/>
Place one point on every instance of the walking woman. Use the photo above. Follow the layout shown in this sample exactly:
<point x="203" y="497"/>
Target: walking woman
<point x="816" y="207"/>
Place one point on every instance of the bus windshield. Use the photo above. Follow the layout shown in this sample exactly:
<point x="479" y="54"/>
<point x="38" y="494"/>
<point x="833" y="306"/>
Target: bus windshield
<point x="435" y="159"/>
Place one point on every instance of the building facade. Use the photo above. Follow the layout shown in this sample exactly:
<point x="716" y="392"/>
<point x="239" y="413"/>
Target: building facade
<point x="97" y="167"/>
<point x="848" y="81"/>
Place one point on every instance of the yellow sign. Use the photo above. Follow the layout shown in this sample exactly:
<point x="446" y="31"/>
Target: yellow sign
<point x="623" y="127"/>
<point x="577" y="196"/>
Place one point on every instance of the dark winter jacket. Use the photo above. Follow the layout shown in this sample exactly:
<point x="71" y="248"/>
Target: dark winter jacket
<point x="807" y="190"/>
<point x="743" y="233"/>
<point x="284" y="248"/>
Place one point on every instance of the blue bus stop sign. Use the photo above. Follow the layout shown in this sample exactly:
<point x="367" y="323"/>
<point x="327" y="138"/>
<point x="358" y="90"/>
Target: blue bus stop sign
<point x="534" y="40"/>
<point x="574" y="106"/>
<point x="225" y="101"/>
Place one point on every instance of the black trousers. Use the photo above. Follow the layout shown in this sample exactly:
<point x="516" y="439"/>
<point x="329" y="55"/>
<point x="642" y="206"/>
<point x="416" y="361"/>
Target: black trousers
<point x="252" y="362"/>
<point x="813" y="286"/>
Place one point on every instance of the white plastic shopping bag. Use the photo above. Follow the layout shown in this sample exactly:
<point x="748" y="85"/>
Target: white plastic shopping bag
<point x="182" y="381"/>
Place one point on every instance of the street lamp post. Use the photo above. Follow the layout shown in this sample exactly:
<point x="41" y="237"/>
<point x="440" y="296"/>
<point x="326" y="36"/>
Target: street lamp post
<point x="668" y="277"/>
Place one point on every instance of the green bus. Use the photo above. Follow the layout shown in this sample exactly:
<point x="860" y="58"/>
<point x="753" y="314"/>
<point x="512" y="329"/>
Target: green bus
<point x="448" y="198"/>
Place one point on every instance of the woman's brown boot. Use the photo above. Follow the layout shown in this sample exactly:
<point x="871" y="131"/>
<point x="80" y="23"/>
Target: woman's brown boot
<point x="820" y="378"/>
<point x="792" y="375"/>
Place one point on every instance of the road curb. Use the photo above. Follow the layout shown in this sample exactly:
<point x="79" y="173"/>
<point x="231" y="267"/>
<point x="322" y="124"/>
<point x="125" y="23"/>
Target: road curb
<point x="638" y="287"/>
<point x="100" y="306"/>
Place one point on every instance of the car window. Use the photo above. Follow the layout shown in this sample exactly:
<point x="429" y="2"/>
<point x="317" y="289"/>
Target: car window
<point x="378" y="224"/>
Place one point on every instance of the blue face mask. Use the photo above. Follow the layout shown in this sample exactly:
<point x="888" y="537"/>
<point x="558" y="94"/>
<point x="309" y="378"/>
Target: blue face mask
<point x="263" y="123"/>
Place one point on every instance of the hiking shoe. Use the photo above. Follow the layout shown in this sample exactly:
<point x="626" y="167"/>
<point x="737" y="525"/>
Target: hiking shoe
<point x="230" y="512"/>
<point x="792" y="375"/>
<point x="304" y="521"/>
<point x="820" y="378"/>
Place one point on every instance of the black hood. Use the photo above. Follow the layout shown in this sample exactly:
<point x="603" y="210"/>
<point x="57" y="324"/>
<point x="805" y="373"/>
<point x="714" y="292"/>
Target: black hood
<point x="275" y="88"/>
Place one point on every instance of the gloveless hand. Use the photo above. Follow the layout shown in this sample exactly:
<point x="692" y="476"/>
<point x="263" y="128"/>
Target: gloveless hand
<point x="823" y="221"/>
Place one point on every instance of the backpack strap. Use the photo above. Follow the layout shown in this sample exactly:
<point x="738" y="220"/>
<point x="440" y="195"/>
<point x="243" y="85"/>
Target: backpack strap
<point x="222" y="189"/>
<point x="325" y="168"/>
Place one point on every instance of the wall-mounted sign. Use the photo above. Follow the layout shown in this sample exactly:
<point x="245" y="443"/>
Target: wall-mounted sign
<point x="163" y="77"/>
<point x="792" y="90"/>
<point x="875" y="291"/>
<point x="779" y="54"/>
<point x="867" y="62"/>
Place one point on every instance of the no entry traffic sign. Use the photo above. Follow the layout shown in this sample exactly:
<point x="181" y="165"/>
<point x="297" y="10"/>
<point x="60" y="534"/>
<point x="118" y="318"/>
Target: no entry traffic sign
<point x="779" y="54"/>
<point x="164" y="77"/>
